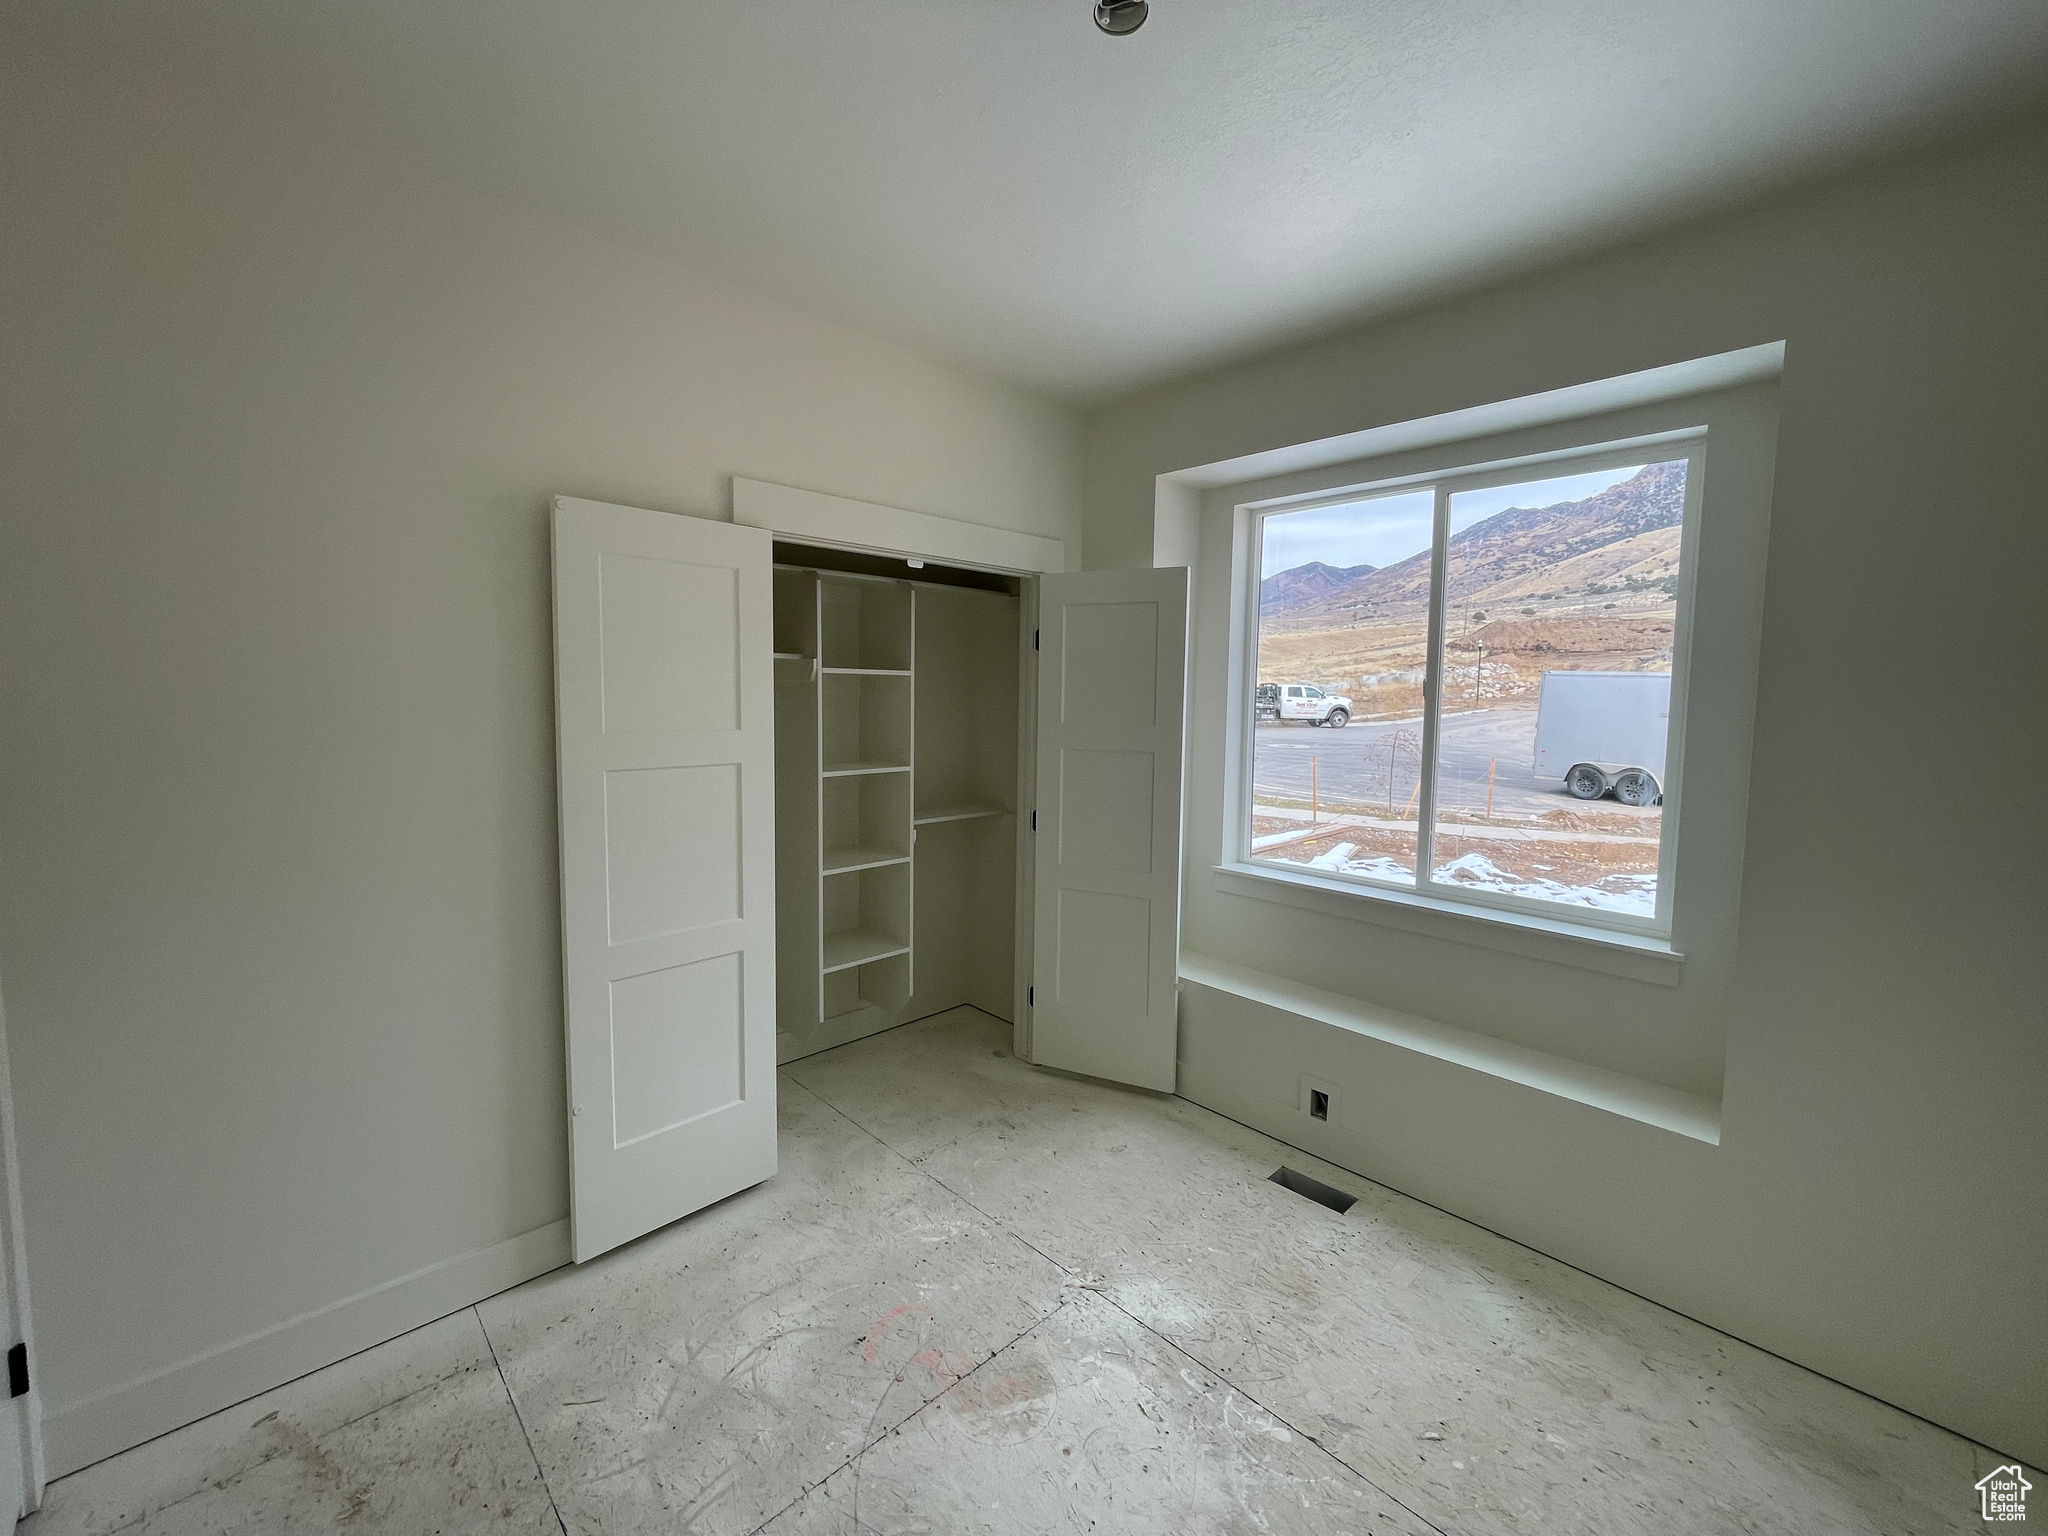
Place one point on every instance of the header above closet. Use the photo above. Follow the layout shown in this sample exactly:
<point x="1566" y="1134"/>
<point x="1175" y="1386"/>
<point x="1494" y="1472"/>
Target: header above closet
<point x="854" y="563"/>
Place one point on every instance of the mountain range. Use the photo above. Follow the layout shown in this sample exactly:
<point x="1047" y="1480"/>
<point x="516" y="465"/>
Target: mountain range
<point x="1301" y="585"/>
<point x="1626" y="533"/>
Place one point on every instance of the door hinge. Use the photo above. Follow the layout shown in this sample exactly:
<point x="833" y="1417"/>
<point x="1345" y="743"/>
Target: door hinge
<point x="1034" y="639"/>
<point x="1031" y="997"/>
<point x="17" y="1371"/>
<point x="1034" y="821"/>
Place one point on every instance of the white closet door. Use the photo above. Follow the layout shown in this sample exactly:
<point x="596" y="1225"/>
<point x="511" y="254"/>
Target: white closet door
<point x="664" y="728"/>
<point x="1111" y="677"/>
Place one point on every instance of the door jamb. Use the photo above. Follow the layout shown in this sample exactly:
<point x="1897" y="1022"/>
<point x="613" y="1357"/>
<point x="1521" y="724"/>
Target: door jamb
<point x="20" y="1417"/>
<point x="1027" y="801"/>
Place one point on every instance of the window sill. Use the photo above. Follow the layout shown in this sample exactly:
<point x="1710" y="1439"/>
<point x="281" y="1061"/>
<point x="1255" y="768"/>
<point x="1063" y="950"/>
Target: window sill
<point x="1541" y="938"/>
<point x="1685" y="1114"/>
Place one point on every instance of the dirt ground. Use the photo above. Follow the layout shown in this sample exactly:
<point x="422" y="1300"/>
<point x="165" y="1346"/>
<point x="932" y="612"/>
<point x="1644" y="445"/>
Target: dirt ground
<point x="1619" y="823"/>
<point x="1515" y="651"/>
<point x="1566" y="863"/>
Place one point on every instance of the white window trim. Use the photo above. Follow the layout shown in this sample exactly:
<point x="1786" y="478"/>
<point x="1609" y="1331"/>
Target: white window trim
<point x="1538" y="936"/>
<point x="1637" y="947"/>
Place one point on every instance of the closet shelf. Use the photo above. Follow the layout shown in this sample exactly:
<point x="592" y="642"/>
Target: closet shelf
<point x="841" y="770"/>
<point x="791" y="656"/>
<point x="839" y="861"/>
<point x="957" y="813"/>
<point x="857" y="946"/>
<point x="865" y="671"/>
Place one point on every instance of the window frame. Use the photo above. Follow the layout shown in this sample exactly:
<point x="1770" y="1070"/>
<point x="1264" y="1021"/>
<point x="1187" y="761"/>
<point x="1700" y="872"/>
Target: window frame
<point x="1689" y="444"/>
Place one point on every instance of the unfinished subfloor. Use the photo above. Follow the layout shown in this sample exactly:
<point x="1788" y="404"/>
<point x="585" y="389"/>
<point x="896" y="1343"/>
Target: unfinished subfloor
<point x="983" y="1298"/>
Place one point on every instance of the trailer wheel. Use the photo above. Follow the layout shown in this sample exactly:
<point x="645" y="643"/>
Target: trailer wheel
<point x="1339" y="718"/>
<point x="1635" y="787"/>
<point x="1586" y="782"/>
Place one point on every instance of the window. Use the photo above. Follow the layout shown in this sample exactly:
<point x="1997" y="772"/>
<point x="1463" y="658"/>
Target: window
<point x="1502" y="650"/>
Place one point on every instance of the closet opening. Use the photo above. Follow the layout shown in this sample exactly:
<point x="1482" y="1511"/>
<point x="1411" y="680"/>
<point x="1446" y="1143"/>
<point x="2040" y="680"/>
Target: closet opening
<point x="902" y="760"/>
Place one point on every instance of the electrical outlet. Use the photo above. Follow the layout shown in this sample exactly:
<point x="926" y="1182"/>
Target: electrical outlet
<point x="1318" y="1098"/>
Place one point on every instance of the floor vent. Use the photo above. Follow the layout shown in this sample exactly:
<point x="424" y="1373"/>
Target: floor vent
<point x="1315" y="1189"/>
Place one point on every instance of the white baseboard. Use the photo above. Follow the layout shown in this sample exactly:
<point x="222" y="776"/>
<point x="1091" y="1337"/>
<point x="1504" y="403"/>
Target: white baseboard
<point x="80" y="1433"/>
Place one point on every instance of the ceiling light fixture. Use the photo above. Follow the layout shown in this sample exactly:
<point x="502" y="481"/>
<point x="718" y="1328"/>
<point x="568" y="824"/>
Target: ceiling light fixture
<point x="1120" y="18"/>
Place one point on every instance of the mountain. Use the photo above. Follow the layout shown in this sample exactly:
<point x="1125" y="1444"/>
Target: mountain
<point x="1302" y="585"/>
<point x="1626" y="532"/>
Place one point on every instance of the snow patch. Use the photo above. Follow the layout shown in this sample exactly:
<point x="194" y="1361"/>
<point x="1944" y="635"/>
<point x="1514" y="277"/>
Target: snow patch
<point x="1382" y="868"/>
<point x="1633" y="894"/>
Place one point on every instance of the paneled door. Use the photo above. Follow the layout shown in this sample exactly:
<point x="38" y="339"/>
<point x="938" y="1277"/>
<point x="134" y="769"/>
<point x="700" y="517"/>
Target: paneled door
<point x="1112" y="672"/>
<point x="664" y="728"/>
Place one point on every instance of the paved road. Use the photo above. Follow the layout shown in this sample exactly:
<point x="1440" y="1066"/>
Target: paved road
<point x="1351" y="764"/>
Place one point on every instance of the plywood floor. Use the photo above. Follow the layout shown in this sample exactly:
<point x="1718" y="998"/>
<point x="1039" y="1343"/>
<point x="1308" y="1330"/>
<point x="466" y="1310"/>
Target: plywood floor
<point x="981" y="1298"/>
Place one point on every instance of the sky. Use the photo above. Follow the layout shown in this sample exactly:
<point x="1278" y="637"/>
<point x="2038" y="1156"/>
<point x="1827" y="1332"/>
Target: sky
<point x="1387" y="529"/>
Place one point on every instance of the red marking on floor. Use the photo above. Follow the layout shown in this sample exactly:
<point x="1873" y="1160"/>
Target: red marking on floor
<point x="871" y="1347"/>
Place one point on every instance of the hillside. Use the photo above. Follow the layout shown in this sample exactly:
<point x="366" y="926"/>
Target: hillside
<point x="1645" y="559"/>
<point x="1628" y="532"/>
<point x="1302" y="585"/>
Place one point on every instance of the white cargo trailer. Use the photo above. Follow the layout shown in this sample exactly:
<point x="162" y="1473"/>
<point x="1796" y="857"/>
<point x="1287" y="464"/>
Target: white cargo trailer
<point x="1605" y="731"/>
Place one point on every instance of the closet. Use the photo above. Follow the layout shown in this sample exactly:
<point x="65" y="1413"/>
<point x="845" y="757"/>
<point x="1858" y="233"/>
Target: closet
<point x="828" y="768"/>
<point x="897" y="769"/>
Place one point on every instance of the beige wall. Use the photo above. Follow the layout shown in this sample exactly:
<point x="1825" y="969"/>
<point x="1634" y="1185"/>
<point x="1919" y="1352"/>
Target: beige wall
<point x="1878" y="1207"/>
<point x="278" y="904"/>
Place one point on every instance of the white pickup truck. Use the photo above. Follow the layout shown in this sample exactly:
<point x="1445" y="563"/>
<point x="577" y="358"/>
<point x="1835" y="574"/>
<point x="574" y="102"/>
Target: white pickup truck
<point x="1605" y="733"/>
<point x="1301" y="701"/>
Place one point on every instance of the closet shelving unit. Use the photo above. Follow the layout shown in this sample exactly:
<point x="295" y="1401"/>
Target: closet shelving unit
<point x="852" y="790"/>
<point x="855" y="635"/>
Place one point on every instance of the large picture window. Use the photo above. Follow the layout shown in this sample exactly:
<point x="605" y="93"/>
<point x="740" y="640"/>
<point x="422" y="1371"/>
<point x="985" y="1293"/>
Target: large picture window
<point x="1467" y="686"/>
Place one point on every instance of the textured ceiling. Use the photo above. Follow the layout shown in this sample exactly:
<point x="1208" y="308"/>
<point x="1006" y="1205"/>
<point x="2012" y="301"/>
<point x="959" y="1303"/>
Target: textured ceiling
<point x="996" y="182"/>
